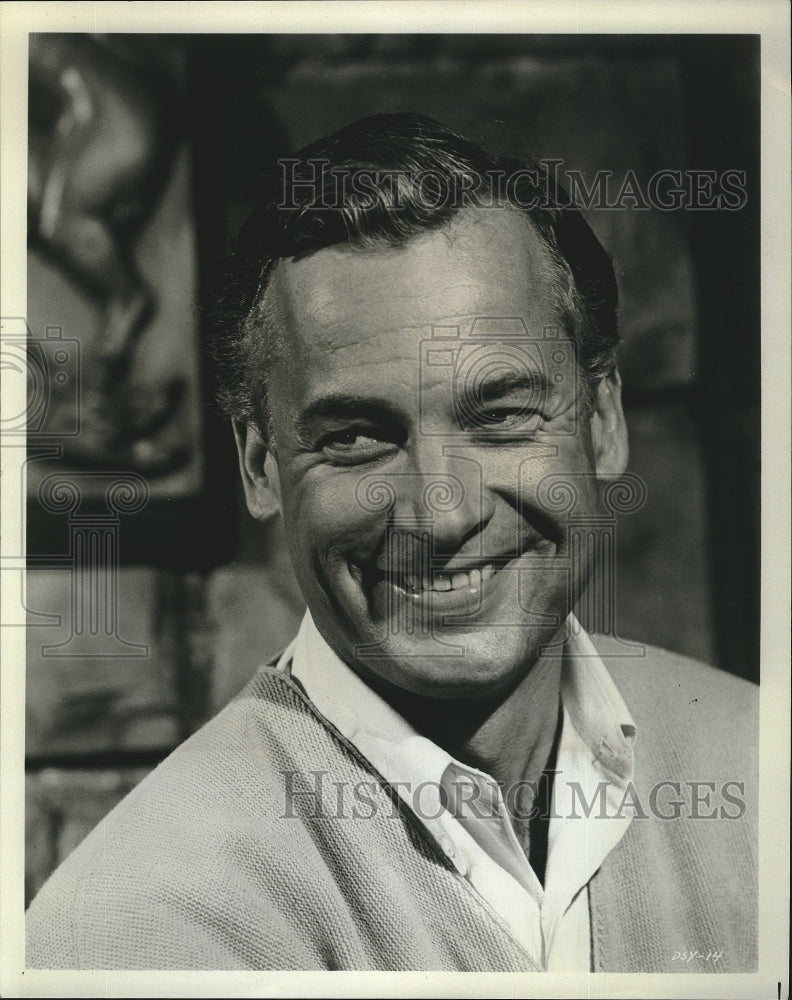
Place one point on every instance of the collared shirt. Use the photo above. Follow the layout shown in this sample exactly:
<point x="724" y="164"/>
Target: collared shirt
<point x="593" y="770"/>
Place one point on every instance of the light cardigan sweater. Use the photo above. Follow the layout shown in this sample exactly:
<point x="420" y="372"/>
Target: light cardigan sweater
<point x="594" y="761"/>
<point x="201" y="868"/>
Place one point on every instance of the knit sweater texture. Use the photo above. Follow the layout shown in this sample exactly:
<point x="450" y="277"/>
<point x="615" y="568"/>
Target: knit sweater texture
<point x="209" y="864"/>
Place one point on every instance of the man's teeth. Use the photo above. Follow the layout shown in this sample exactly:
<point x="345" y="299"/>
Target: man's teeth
<point x="451" y="581"/>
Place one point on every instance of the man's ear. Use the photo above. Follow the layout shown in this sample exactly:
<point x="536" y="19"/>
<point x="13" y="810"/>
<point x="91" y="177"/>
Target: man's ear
<point x="609" y="428"/>
<point x="259" y="469"/>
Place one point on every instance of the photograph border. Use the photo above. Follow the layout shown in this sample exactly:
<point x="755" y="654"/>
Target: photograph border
<point x="768" y="18"/>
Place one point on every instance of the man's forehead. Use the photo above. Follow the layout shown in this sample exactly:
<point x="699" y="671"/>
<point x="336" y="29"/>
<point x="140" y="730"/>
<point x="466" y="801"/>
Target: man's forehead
<point x="484" y="262"/>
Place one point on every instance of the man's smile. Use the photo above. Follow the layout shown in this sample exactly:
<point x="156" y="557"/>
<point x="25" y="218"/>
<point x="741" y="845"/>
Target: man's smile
<point x="454" y="587"/>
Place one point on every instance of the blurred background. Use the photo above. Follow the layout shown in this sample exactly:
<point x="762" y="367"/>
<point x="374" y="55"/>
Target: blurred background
<point x="152" y="596"/>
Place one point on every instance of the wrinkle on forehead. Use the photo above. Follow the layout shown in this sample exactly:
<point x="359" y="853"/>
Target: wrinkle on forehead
<point x="481" y="261"/>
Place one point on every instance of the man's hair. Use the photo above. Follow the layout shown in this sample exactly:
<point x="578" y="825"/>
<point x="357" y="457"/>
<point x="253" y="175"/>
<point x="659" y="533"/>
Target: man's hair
<point x="379" y="183"/>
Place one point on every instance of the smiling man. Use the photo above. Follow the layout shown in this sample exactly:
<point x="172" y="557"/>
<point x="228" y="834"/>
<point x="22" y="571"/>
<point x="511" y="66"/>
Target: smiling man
<point x="443" y="770"/>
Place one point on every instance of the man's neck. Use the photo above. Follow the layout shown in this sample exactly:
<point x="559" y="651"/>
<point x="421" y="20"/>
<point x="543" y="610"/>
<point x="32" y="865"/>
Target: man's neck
<point x="509" y="738"/>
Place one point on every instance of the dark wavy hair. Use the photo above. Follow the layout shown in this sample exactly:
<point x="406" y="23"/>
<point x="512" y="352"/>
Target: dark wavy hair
<point x="380" y="182"/>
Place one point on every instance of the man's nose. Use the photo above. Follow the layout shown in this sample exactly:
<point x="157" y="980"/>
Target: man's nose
<point x="447" y="492"/>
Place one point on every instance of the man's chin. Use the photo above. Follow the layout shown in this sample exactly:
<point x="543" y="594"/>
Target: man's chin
<point x="457" y="665"/>
<point x="451" y="645"/>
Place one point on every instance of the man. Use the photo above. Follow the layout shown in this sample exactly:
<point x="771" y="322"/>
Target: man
<point x="443" y="770"/>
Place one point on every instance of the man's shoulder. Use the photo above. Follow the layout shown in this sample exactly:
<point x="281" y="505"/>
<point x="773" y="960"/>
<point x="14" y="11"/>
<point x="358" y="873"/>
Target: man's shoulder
<point x="680" y="703"/>
<point x="661" y="672"/>
<point x="687" y="864"/>
<point x="227" y="767"/>
<point x="191" y="833"/>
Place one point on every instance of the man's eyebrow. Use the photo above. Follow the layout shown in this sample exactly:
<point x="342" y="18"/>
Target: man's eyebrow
<point x="340" y="406"/>
<point x="501" y="385"/>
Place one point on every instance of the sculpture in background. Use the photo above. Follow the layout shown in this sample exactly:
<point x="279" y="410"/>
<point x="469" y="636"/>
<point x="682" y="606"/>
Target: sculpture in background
<point x="103" y="137"/>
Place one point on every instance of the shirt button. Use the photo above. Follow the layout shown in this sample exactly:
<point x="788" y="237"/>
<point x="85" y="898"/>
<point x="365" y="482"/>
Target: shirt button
<point x="448" y="847"/>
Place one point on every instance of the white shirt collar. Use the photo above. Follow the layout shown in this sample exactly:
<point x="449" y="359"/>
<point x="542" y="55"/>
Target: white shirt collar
<point x="588" y="693"/>
<point x="595" y="705"/>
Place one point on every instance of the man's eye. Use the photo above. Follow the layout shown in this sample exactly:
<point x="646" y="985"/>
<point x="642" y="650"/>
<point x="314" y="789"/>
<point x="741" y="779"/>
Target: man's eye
<point x="505" y="418"/>
<point x="356" y="445"/>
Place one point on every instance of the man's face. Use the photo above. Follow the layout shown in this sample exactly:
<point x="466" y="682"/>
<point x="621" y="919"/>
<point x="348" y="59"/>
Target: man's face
<point x="420" y="403"/>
